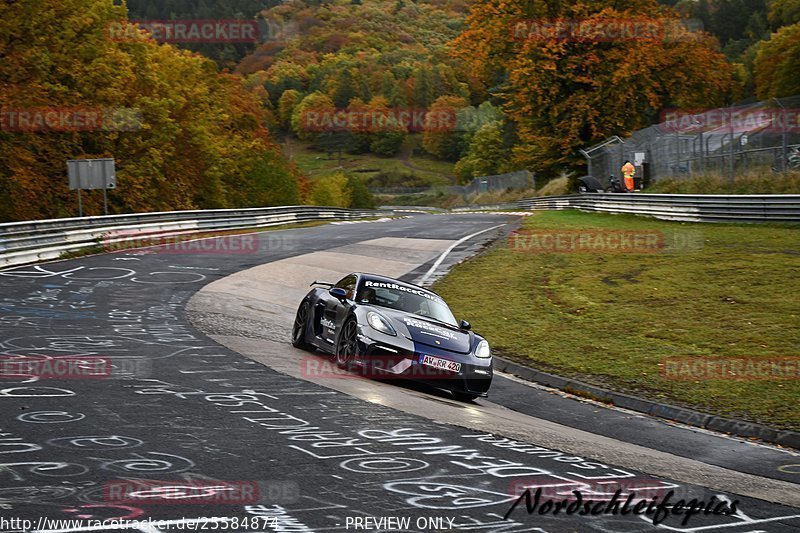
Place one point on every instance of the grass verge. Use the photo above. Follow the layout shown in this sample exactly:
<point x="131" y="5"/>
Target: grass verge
<point x="714" y="292"/>
<point x="317" y="164"/>
<point x="754" y="182"/>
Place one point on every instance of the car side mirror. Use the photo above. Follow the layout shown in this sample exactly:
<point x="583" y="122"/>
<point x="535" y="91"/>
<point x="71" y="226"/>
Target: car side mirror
<point x="338" y="293"/>
<point x="465" y="325"/>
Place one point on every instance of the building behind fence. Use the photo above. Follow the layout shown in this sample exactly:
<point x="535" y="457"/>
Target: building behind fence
<point x="761" y="137"/>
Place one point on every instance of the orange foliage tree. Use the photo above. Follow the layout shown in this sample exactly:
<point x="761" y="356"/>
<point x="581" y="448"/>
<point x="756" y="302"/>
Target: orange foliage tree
<point x="183" y="135"/>
<point x="565" y="92"/>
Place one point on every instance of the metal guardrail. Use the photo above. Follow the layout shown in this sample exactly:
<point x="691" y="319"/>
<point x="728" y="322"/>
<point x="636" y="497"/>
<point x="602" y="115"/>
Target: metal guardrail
<point x="485" y="207"/>
<point x="681" y="207"/>
<point x="31" y="241"/>
<point x="413" y="209"/>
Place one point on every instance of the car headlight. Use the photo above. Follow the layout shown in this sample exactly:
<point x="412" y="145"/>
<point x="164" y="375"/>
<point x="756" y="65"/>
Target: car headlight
<point x="483" y="350"/>
<point x="379" y="323"/>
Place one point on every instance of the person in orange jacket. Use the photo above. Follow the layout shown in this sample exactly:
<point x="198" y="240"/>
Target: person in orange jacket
<point x="628" y="171"/>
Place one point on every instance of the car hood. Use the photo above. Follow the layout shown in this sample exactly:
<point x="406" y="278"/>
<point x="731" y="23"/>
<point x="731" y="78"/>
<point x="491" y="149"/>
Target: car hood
<point x="428" y="332"/>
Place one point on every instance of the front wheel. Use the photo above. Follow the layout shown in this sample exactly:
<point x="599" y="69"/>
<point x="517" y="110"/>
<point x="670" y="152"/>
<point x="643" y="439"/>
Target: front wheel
<point x="347" y="345"/>
<point x="300" y="326"/>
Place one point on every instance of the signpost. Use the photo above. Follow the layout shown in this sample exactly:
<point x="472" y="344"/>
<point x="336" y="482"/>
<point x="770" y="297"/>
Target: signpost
<point x="92" y="174"/>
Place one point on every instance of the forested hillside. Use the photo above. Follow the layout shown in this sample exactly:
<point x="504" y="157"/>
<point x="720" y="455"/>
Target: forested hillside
<point x="183" y="135"/>
<point x="366" y="57"/>
<point x="540" y="101"/>
<point x="764" y="66"/>
<point x="227" y="55"/>
<point x="189" y="131"/>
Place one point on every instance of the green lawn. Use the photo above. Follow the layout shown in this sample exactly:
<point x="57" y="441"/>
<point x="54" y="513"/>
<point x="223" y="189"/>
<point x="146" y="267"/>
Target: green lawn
<point x="611" y="319"/>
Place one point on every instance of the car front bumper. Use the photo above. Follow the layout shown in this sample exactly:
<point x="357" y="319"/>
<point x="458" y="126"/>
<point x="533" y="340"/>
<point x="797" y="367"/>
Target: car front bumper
<point x="403" y="360"/>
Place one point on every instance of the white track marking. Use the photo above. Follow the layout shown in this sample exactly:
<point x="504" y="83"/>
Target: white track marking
<point x="442" y="257"/>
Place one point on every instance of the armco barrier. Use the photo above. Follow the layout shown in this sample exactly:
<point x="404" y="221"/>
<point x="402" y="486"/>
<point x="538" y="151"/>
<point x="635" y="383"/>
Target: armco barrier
<point x="682" y="207"/>
<point x="31" y="241"/>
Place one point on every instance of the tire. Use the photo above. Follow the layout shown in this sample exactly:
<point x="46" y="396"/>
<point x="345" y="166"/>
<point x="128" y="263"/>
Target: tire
<point x="464" y="396"/>
<point x="300" y="326"/>
<point x="347" y="344"/>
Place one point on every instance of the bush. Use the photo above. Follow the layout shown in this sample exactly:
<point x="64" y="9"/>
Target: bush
<point x="387" y="143"/>
<point x="360" y="197"/>
<point x="394" y="178"/>
<point x="331" y="191"/>
<point x="556" y="187"/>
<point x="269" y="182"/>
<point x="341" y="190"/>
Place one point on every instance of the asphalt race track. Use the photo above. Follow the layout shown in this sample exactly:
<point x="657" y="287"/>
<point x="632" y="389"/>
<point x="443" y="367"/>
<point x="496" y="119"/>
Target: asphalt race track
<point x="209" y="420"/>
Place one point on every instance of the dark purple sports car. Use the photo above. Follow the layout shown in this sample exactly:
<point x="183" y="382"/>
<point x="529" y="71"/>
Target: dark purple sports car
<point x="388" y="329"/>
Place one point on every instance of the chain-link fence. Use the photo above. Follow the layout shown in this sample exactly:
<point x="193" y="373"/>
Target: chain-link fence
<point x="521" y="179"/>
<point x="760" y="137"/>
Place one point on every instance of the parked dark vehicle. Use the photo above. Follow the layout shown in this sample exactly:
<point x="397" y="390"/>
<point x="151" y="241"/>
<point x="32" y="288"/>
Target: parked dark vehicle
<point x="615" y="184"/>
<point x="589" y="184"/>
<point x="792" y="160"/>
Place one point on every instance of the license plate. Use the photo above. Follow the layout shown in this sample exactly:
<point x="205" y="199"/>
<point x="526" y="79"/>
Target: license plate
<point x="437" y="362"/>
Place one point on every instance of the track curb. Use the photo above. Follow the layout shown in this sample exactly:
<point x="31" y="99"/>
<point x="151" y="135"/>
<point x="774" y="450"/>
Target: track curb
<point x="689" y="417"/>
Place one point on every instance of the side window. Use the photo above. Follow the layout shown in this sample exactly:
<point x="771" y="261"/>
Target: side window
<point x="348" y="283"/>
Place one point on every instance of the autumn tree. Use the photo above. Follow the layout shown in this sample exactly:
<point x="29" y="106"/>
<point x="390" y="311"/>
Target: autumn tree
<point x="313" y="116"/>
<point x="286" y="104"/>
<point x="360" y="197"/>
<point x="386" y="136"/>
<point x="183" y="135"/>
<point x="784" y="13"/>
<point x="360" y="135"/>
<point x="331" y="191"/>
<point x="439" y="140"/>
<point x="345" y="89"/>
<point x="777" y="64"/>
<point x="488" y="154"/>
<point x="267" y="181"/>
<point x="562" y="94"/>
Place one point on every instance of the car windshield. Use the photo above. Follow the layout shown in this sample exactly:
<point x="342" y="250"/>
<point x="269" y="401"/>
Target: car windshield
<point x="405" y="298"/>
